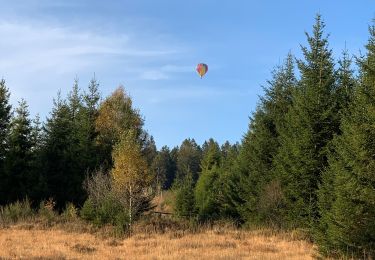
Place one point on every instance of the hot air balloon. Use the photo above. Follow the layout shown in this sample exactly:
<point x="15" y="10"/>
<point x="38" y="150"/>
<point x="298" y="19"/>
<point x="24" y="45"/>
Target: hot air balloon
<point x="202" y="69"/>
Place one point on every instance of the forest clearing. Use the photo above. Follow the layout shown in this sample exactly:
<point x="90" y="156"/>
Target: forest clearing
<point x="25" y="242"/>
<point x="25" y="234"/>
<point x="231" y="136"/>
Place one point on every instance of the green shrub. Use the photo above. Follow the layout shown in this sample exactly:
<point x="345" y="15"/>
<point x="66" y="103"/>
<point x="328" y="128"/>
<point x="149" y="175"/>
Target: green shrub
<point x="121" y="222"/>
<point x="70" y="212"/>
<point x="103" y="205"/>
<point x="87" y="212"/>
<point x="17" y="211"/>
<point x="108" y="211"/>
<point x="46" y="211"/>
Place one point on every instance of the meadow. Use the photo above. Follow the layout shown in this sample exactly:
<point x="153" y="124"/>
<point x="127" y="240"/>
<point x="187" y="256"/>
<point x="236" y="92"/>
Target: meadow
<point x="25" y="241"/>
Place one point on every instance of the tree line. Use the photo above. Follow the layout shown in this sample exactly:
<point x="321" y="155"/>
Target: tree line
<point x="307" y="160"/>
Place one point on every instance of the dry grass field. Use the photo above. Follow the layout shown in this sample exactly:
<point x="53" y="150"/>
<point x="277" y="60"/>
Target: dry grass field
<point x="20" y="242"/>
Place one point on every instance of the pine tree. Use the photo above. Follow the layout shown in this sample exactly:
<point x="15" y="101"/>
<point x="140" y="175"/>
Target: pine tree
<point x="346" y="84"/>
<point x="227" y="184"/>
<point x="86" y="129"/>
<point x="173" y="171"/>
<point x="91" y="99"/>
<point x="19" y="158"/>
<point x="75" y="101"/>
<point x="229" y="154"/>
<point x="184" y="205"/>
<point x="38" y="183"/>
<point x="207" y="192"/>
<point x="69" y="151"/>
<point x="310" y="125"/>
<point x="211" y="155"/>
<point x="188" y="160"/>
<point x="60" y="157"/>
<point x="344" y="95"/>
<point x="37" y="136"/>
<point x="149" y="150"/>
<point x="5" y="115"/>
<point x="164" y="168"/>
<point x="206" y="189"/>
<point x="349" y="208"/>
<point x="261" y="142"/>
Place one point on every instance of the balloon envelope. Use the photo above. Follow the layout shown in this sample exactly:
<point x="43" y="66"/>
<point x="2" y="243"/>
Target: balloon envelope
<point x="202" y="69"/>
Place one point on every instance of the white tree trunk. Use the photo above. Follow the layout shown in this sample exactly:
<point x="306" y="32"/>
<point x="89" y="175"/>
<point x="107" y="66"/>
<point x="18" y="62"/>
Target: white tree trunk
<point x="130" y="207"/>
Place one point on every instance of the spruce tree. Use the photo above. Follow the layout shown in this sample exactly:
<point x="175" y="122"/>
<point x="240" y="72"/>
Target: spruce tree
<point x="346" y="85"/>
<point x="206" y="189"/>
<point x="227" y="184"/>
<point x="69" y="150"/>
<point x="173" y="172"/>
<point x="149" y="149"/>
<point x="5" y="115"/>
<point x="310" y="125"/>
<point x="211" y="155"/>
<point x="349" y="209"/>
<point x="188" y="160"/>
<point x="75" y="101"/>
<point x="184" y="205"/>
<point x="87" y="132"/>
<point x="19" y="158"/>
<point x="38" y="144"/>
<point x="261" y="142"/>
<point x="60" y="156"/>
<point x="164" y="168"/>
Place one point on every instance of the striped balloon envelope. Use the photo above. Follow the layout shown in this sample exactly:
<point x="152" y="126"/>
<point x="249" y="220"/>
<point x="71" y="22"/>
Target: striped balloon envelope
<point x="202" y="69"/>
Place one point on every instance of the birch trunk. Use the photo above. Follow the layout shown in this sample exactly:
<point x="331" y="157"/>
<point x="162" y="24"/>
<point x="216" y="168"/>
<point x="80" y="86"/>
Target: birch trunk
<point x="130" y="207"/>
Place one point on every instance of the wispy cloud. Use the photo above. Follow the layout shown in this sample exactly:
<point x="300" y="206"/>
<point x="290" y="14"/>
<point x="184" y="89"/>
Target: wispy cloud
<point x="177" y="68"/>
<point x="154" y="75"/>
<point x="33" y="48"/>
<point x="35" y="55"/>
<point x="188" y="93"/>
<point x="166" y="71"/>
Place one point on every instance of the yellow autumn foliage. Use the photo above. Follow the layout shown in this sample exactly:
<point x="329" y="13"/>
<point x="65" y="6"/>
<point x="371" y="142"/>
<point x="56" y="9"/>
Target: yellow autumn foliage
<point x="130" y="167"/>
<point x="116" y="116"/>
<point x="132" y="180"/>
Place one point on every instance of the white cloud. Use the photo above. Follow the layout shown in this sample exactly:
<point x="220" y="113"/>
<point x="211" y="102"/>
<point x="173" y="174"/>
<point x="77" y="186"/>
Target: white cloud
<point x="177" y="68"/>
<point x="33" y="48"/>
<point x="188" y="93"/>
<point x="153" y="75"/>
<point x="37" y="59"/>
<point x="165" y="72"/>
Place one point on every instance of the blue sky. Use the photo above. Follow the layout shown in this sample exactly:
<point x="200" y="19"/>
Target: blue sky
<point x="152" y="47"/>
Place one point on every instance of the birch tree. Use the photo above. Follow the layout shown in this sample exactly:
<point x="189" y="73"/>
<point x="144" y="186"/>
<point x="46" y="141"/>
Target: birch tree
<point x="132" y="180"/>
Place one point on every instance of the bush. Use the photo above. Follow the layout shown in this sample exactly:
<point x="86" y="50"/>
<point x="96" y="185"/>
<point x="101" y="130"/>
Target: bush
<point x="271" y="204"/>
<point x="102" y="206"/>
<point x="70" y="212"/>
<point x="16" y="211"/>
<point x="108" y="211"/>
<point x="88" y="210"/>
<point x="46" y="211"/>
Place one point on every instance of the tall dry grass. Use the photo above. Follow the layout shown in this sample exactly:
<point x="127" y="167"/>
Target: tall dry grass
<point x="45" y="234"/>
<point x="25" y="242"/>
